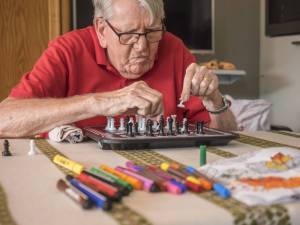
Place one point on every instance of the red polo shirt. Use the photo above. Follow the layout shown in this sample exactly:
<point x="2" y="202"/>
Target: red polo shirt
<point x="76" y="64"/>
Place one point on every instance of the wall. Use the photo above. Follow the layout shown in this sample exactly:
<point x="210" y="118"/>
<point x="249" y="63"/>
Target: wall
<point x="26" y="27"/>
<point x="24" y="35"/>
<point x="280" y="76"/>
<point x="237" y="41"/>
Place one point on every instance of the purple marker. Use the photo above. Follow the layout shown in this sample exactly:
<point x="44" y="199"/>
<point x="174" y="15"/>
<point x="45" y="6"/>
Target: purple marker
<point x="134" y="167"/>
<point x="148" y="184"/>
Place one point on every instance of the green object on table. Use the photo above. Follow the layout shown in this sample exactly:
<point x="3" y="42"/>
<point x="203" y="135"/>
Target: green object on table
<point x="202" y="155"/>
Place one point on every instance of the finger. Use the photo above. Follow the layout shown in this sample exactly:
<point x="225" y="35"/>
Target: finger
<point x="212" y="86"/>
<point x="155" y="100"/>
<point x="187" y="82"/>
<point x="159" y="110"/>
<point x="204" y="85"/>
<point x="141" y="105"/>
<point x="197" y="79"/>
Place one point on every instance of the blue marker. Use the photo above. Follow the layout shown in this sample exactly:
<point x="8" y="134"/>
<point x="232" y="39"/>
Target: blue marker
<point x="221" y="190"/>
<point x="100" y="200"/>
<point x="182" y="187"/>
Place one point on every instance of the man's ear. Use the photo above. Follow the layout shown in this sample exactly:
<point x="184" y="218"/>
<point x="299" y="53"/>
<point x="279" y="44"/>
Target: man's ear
<point x="99" y="26"/>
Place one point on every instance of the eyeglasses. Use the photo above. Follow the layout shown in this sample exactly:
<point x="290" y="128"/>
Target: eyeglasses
<point x="130" y="38"/>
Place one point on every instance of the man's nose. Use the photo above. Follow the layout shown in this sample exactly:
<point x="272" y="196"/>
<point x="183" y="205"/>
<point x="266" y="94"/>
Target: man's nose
<point x="142" y="43"/>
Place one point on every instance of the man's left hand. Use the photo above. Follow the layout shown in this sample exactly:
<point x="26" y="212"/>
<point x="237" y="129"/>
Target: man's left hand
<point x="200" y="81"/>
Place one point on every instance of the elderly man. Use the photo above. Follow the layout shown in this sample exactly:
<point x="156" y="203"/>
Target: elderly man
<point x="125" y="64"/>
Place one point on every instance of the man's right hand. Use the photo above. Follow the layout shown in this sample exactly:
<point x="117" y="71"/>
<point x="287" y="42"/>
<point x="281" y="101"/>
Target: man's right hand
<point x="137" y="98"/>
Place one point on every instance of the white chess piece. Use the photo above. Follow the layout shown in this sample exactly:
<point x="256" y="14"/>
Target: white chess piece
<point x="32" y="150"/>
<point x="167" y="123"/>
<point x="174" y="121"/>
<point x="181" y="105"/>
<point x="143" y="125"/>
<point x="108" y="119"/>
<point x="112" y="124"/>
<point x="183" y="127"/>
<point x="122" y="124"/>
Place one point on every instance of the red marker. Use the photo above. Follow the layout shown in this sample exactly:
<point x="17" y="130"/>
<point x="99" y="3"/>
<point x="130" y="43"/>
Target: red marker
<point x="100" y="186"/>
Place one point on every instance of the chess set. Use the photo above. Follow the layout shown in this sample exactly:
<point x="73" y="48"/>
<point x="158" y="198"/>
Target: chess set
<point x="142" y="133"/>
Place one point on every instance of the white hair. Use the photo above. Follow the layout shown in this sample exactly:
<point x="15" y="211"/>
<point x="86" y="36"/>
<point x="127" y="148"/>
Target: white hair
<point x="103" y="8"/>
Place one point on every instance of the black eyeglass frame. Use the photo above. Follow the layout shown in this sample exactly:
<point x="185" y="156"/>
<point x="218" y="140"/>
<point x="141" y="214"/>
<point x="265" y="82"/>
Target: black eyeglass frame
<point x="136" y="33"/>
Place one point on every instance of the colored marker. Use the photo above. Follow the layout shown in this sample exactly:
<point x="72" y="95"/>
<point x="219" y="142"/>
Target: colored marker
<point x="100" y="186"/>
<point x="100" y="200"/>
<point x="202" y="155"/>
<point x="137" y="184"/>
<point x="159" y="181"/>
<point x="205" y="182"/>
<point x="121" y="189"/>
<point x="148" y="184"/>
<point x="68" y="164"/>
<point x="76" y="195"/>
<point x="113" y="177"/>
<point x="221" y="190"/>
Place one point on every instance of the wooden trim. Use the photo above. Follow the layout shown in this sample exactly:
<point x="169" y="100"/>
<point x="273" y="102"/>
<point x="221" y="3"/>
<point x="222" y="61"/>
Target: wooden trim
<point x="66" y="16"/>
<point x="54" y="8"/>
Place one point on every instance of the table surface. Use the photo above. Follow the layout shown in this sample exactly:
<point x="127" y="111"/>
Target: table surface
<point x="29" y="184"/>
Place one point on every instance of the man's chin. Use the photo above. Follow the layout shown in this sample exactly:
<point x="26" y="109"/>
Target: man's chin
<point x="134" y="72"/>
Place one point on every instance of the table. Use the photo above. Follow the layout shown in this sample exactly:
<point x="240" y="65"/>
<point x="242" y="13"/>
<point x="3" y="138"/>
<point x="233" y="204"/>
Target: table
<point x="28" y="187"/>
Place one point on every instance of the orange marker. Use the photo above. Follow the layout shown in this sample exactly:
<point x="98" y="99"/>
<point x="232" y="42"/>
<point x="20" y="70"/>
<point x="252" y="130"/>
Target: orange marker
<point x="131" y="180"/>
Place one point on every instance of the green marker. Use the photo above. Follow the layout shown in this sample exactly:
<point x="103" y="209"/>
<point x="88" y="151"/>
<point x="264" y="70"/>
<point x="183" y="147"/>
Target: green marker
<point x="111" y="176"/>
<point x="202" y="155"/>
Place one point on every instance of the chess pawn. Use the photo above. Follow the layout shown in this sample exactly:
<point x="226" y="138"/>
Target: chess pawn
<point x="32" y="150"/>
<point x="122" y="125"/>
<point x="108" y="118"/>
<point x="130" y="129"/>
<point x="6" y="151"/>
<point x="155" y="126"/>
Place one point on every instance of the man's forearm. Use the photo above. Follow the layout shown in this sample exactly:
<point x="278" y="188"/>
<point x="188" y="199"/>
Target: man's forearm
<point x="25" y="117"/>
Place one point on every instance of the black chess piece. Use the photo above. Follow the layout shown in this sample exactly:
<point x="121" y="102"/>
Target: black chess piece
<point x="149" y="127"/>
<point x="170" y="126"/>
<point x="130" y="131"/>
<point x="199" y="127"/>
<point x="126" y="121"/>
<point x="136" y="128"/>
<point x="161" y="126"/>
<point x="6" y="151"/>
<point x="177" y="127"/>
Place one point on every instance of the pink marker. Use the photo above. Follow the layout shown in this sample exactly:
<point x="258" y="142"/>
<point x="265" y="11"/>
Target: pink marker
<point x="148" y="184"/>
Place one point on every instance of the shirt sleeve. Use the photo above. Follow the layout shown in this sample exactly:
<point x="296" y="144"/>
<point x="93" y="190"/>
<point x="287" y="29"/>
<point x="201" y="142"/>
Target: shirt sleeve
<point x="195" y="108"/>
<point x="48" y="77"/>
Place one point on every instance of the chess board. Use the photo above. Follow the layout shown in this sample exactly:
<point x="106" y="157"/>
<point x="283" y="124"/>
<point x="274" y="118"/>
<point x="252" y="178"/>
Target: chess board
<point x="116" y="140"/>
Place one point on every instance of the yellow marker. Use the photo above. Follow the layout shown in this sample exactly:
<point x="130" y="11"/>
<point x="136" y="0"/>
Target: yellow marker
<point x="68" y="164"/>
<point x="137" y="184"/>
<point x="193" y="180"/>
<point x="164" y="166"/>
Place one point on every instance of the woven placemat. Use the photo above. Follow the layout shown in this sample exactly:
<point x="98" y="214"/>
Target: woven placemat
<point x="287" y="134"/>
<point x="5" y="215"/>
<point x="120" y="212"/>
<point x="243" y="214"/>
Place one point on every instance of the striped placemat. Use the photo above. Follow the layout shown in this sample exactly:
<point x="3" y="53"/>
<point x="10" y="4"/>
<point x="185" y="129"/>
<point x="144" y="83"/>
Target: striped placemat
<point x="5" y="215"/>
<point x="120" y="212"/>
<point x="243" y="214"/>
<point x="287" y="134"/>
